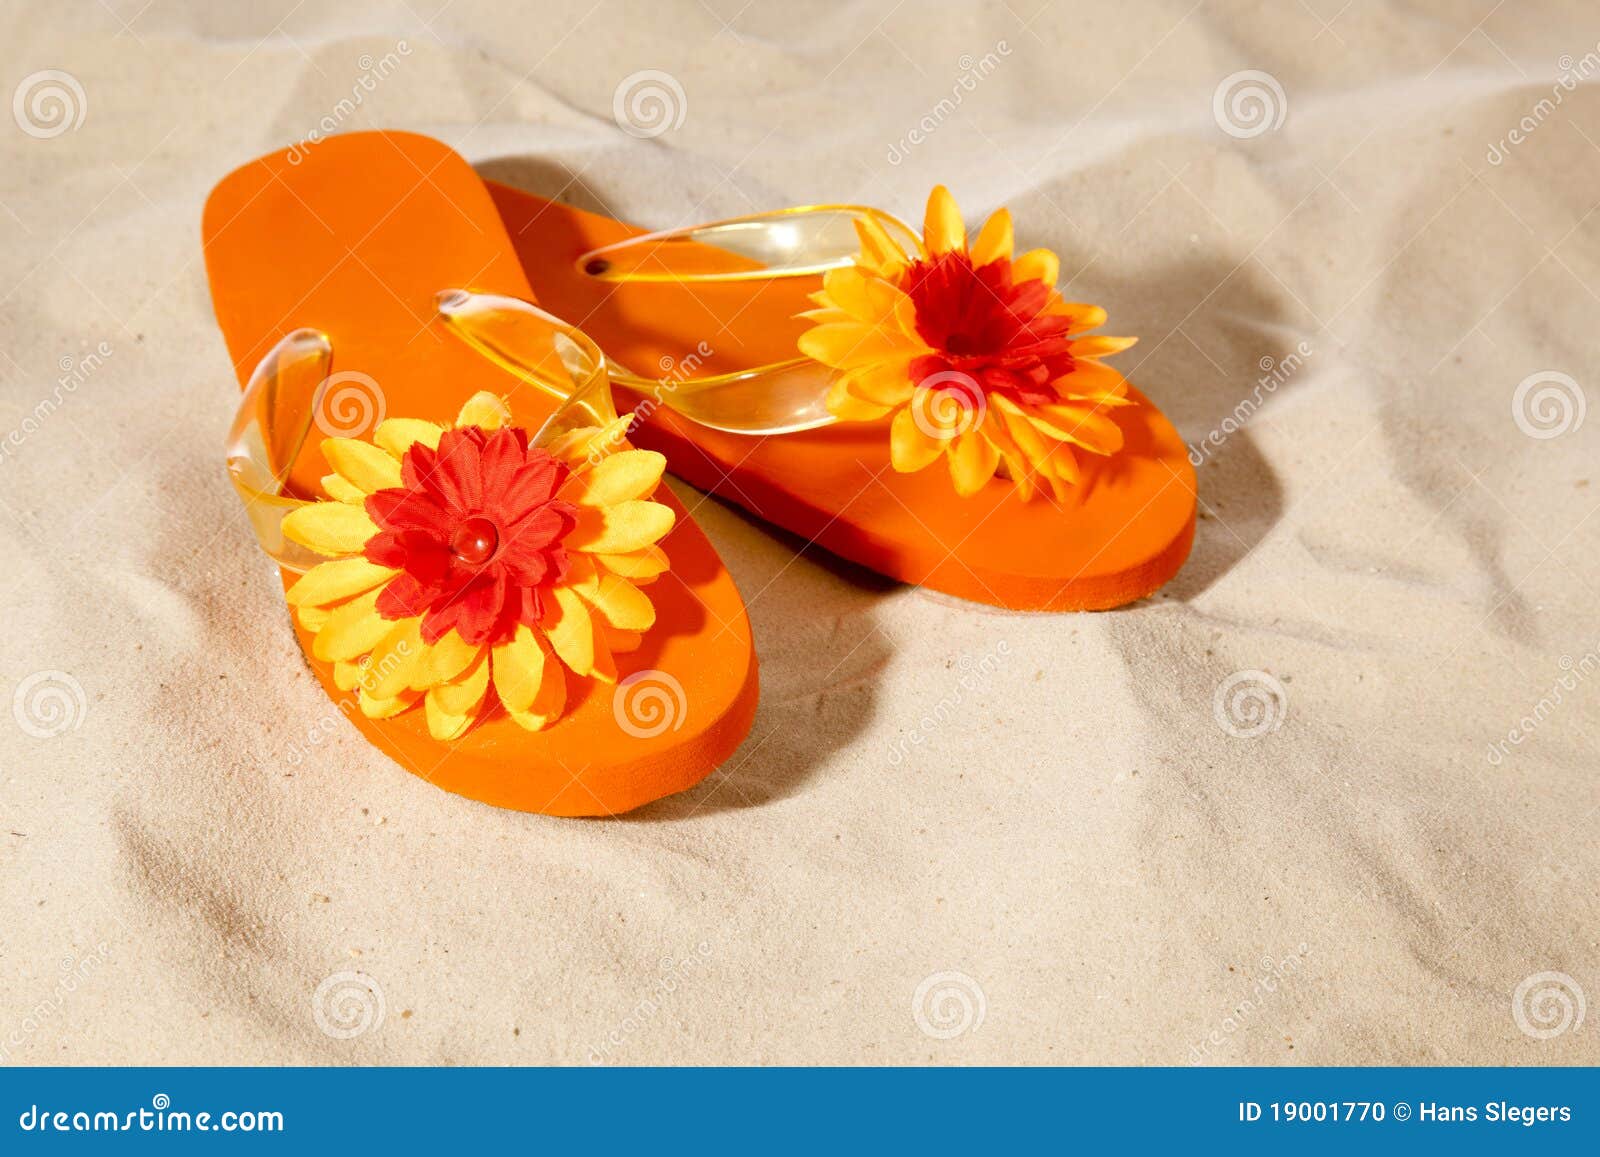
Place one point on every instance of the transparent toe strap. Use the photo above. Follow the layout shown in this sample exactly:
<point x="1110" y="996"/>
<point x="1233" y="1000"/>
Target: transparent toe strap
<point x="293" y="391"/>
<point x="777" y="398"/>
<point x="799" y="242"/>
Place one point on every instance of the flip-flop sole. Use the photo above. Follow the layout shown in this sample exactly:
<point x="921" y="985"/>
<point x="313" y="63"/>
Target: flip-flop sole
<point x="1122" y="533"/>
<point x="355" y="237"/>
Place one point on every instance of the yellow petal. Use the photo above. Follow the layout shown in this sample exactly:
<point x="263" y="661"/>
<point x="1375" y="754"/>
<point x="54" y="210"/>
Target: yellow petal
<point x="1090" y="378"/>
<point x="1022" y="474"/>
<point x="395" y="659"/>
<point x="445" y="660"/>
<point x="972" y="462"/>
<point x="486" y="410"/>
<point x="519" y="668"/>
<point x="879" y="253"/>
<point x="312" y="619"/>
<point x="354" y="629"/>
<point x="329" y="582"/>
<point x="911" y="448"/>
<point x="342" y="490"/>
<point x="637" y="564"/>
<point x="346" y="675"/>
<point x="362" y="463"/>
<point x="583" y="445"/>
<point x="942" y="230"/>
<point x="627" y="526"/>
<point x="1084" y="316"/>
<point x="329" y="528"/>
<point x="994" y="239"/>
<point x="441" y="725"/>
<point x="462" y="696"/>
<point x="885" y="383"/>
<point x="850" y="343"/>
<point x="375" y="708"/>
<point x="570" y="631"/>
<point x="1102" y="346"/>
<point x="845" y="406"/>
<point x="1080" y="424"/>
<point x="1037" y="265"/>
<point x="549" y="700"/>
<point x="397" y="435"/>
<point x="622" y="477"/>
<point x="845" y="288"/>
<point x="622" y="604"/>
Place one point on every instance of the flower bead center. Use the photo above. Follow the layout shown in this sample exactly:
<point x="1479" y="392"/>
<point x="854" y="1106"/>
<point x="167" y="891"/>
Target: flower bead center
<point x="475" y="541"/>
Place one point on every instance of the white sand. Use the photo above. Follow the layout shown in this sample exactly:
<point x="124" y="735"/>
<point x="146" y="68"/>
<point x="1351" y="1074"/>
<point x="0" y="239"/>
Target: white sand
<point x="1120" y="878"/>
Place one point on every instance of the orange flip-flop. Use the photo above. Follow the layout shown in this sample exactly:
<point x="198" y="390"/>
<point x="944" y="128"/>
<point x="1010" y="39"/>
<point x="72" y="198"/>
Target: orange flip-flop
<point x="490" y="584"/>
<point x="930" y="408"/>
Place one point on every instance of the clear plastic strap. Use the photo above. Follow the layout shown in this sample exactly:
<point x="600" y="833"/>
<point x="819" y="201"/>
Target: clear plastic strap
<point x="799" y="242"/>
<point x="287" y="396"/>
<point x="777" y="398"/>
<point x="271" y="425"/>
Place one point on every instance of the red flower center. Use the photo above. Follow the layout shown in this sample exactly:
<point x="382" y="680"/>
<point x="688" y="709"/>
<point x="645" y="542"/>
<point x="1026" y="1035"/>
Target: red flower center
<point x="476" y="531"/>
<point x="985" y="326"/>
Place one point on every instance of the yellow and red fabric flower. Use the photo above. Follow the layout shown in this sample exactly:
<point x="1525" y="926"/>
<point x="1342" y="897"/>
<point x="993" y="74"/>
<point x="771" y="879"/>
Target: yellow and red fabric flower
<point x="973" y="352"/>
<point x="471" y="566"/>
